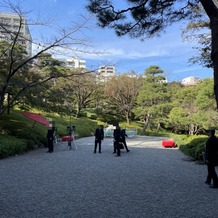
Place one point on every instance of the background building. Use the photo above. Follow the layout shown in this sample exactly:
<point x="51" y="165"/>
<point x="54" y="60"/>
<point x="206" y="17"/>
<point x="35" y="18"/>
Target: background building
<point x="10" y="25"/>
<point x="74" y="62"/>
<point x="190" y="81"/>
<point x="105" y="73"/>
<point x="107" y="70"/>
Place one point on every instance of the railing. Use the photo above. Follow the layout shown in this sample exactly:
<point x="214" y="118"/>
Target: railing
<point x="131" y="133"/>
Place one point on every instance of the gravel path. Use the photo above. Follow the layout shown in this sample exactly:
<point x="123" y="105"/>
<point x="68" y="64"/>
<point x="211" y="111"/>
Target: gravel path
<point x="149" y="181"/>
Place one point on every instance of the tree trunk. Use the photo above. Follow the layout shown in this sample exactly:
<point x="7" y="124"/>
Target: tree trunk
<point x="127" y="118"/>
<point x="191" y="129"/>
<point x="214" y="55"/>
<point x="8" y="98"/>
<point x="147" y="119"/>
<point x="158" y="126"/>
<point x="2" y="100"/>
<point x="96" y="107"/>
<point x="212" y="12"/>
<point x="78" y="109"/>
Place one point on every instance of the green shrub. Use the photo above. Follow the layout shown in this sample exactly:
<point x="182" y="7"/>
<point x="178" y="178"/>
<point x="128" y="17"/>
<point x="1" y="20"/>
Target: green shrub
<point x="10" y="146"/>
<point x="199" y="151"/>
<point x="30" y="145"/>
<point x="93" y="117"/>
<point x="193" y="146"/>
<point x="82" y="114"/>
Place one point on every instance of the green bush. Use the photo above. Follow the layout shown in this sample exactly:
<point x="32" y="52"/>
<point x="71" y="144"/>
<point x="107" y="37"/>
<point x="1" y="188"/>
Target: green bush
<point x="193" y="146"/>
<point x="82" y="114"/>
<point x="10" y="146"/>
<point x="30" y="145"/>
<point x="93" y="117"/>
<point x="199" y="150"/>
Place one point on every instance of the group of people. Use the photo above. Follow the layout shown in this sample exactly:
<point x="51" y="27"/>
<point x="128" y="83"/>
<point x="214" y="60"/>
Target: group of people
<point x="211" y="148"/>
<point x="119" y="140"/>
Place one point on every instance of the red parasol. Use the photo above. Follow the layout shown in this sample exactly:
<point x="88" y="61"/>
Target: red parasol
<point x="36" y="117"/>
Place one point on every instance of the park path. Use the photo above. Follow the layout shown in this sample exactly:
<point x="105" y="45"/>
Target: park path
<point x="150" y="181"/>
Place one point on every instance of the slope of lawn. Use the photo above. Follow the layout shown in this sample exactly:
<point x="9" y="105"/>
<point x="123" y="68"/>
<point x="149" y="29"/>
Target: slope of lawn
<point x="19" y="134"/>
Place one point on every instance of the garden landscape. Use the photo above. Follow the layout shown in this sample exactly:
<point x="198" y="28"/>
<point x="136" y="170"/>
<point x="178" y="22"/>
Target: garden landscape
<point x="40" y="83"/>
<point x="69" y="68"/>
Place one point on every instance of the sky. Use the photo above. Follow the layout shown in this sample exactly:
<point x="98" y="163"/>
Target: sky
<point x="168" y="51"/>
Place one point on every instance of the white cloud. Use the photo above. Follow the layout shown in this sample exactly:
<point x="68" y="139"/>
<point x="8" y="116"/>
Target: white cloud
<point x="168" y="51"/>
<point x="136" y="49"/>
<point x="170" y="44"/>
<point x="188" y="69"/>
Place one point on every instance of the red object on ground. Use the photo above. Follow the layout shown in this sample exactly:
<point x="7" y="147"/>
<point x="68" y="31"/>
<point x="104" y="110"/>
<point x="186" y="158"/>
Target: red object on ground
<point x="168" y="143"/>
<point x="36" y="117"/>
<point x="67" y="138"/>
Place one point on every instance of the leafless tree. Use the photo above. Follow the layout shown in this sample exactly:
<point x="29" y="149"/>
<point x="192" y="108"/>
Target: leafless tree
<point x="121" y="92"/>
<point x="18" y="74"/>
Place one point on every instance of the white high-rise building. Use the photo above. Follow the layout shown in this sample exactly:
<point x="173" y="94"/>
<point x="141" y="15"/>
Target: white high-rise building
<point x="13" y="24"/>
<point x="75" y="63"/>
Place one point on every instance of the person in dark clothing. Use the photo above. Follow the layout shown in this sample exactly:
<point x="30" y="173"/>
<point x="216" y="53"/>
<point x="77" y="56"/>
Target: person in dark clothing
<point x="99" y="136"/>
<point x="211" y="151"/>
<point x="50" y="137"/>
<point x="123" y="138"/>
<point x="117" y="140"/>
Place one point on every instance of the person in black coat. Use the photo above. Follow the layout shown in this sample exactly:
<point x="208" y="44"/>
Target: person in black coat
<point x="117" y="140"/>
<point x="99" y="136"/>
<point x="123" y="138"/>
<point x="50" y="137"/>
<point x="211" y="151"/>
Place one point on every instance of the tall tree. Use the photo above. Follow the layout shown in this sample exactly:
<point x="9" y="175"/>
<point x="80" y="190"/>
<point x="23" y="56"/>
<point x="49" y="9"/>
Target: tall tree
<point x="121" y="92"/>
<point x="83" y="88"/>
<point x="140" y="18"/>
<point x="206" y="104"/>
<point x="49" y="96"/>
<point x="185" y="105"/>
<point x="17" y="63"/>
<point x="151" y="101"/>
<point x="194" y="108"/>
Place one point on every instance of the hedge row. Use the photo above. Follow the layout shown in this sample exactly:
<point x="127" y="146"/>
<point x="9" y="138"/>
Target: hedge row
<point x="192" y="146"/>
<point x="10" y="146"/>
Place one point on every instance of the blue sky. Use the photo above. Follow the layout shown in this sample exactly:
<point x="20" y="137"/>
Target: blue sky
<point x="169" y="52"/>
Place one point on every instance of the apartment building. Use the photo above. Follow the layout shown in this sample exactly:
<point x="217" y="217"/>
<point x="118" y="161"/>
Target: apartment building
<point x="105" y="73"/>
<point x="75" y="62"/>
<point x="106" y="70"/>
<point x="10" y="25"/>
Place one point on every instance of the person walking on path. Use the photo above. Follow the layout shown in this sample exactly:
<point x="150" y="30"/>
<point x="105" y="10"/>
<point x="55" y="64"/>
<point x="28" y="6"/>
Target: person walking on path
<point x="117" y="140"/>
<point x="123" y="139"/>
<point x="211" y="151"/>
<point x="99" y="136"/>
